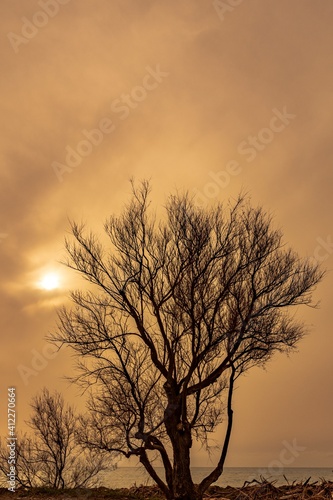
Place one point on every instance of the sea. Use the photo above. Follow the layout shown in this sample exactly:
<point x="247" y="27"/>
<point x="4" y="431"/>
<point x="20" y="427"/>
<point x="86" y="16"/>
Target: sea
<point x="125" y="477"/>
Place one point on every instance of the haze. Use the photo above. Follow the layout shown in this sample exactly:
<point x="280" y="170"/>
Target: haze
<point x="195" y="96"/>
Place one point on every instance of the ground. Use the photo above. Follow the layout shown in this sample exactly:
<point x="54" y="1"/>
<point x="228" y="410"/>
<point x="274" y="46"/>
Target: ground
<point x="257" y="491"/>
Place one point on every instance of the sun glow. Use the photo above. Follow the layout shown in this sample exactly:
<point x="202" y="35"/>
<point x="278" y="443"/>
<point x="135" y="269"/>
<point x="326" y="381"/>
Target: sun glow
<point x="49" y="281"/>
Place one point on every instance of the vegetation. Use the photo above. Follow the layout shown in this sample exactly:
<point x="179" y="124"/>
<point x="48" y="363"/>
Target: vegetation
<point x="52" y="457"/>
<point x="263" y="490"/>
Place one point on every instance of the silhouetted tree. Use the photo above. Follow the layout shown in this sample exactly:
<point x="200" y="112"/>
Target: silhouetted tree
<point x="180" y="309"/>
<point x="26" y="466"/>
<point x="53" y="457"/>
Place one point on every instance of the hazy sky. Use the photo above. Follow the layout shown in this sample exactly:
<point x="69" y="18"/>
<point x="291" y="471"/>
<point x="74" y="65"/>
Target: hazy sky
<point x="198" y="95"/>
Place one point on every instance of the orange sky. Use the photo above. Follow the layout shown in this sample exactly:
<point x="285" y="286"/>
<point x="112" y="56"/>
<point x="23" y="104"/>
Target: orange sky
<point x="202" y="95"/>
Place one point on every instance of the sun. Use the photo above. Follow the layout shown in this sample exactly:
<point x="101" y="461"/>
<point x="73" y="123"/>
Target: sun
<point x="49" y="281"/>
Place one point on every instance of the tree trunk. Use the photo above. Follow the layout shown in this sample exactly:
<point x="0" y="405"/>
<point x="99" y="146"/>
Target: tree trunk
<point x="183" y="486"/>
<point x="179" y="433"/>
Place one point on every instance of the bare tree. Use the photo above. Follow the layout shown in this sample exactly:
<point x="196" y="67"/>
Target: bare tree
<point x="53" y="457"/>
<point x="26" y="466"/>
<point x="180" y="308"/>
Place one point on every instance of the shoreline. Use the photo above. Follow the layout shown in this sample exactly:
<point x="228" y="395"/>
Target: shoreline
<point x="232" y="476"/>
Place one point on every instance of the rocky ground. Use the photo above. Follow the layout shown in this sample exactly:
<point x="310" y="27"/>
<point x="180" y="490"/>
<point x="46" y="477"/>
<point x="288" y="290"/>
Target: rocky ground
<point x="254" y="491"/>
